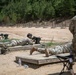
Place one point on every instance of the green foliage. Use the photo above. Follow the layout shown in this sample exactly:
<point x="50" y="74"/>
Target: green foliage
<point x="64" y="7"/>
<point x="16" y="11"/>
<point x="5" y="40"/>
<point x="50" y="44"/>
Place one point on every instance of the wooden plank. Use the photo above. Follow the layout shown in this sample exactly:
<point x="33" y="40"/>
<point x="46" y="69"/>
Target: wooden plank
<point x="38" y="59"/>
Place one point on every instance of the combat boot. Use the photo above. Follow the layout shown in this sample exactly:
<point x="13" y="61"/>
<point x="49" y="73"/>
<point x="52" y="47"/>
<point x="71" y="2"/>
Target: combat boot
<point x="32" y="50"/>
<point x="46" y="53"/>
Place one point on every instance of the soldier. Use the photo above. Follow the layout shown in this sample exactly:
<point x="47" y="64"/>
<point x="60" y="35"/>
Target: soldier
<point x="4" y="47"/>
<point x="72" y="28"/>
<point x="22" y="42"/>
<point x="64" y="48"/>
<point x="52" y="51"/>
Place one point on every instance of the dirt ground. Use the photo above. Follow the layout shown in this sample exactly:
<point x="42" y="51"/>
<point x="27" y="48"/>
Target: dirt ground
<point x="46" y="34"/>
<point x="8" y="66"/>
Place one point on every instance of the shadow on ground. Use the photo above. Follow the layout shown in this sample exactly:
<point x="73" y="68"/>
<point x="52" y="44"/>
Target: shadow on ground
<point x="34" y="66"/>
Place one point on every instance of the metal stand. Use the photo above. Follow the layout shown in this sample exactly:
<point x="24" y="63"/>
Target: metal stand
<point x="67" y="63"/>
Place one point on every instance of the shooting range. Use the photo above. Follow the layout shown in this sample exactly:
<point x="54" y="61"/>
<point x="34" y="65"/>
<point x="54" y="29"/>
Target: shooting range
<point x="37" y="37"/>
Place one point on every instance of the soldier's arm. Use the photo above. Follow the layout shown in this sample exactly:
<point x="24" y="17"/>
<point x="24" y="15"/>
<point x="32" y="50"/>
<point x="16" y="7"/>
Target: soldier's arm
<point x="30" y="41"/>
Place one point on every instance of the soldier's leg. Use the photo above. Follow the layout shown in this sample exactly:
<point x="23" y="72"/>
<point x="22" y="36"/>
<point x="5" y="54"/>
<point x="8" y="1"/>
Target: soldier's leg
<point x="58" y="49"/>
<point x="47" y="53"/>
<point x="41" y="50"/>
<point x="53" y="51"/>
<point x="32" y="50"/>
<point x="13" y="43"/>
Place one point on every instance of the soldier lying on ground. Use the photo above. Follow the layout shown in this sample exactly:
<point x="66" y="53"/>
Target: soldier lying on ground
<point x="25" y="41"/>
<point x="53" y="51"/>
<point x="62" y="49"/>
<point x="4" y="47"/>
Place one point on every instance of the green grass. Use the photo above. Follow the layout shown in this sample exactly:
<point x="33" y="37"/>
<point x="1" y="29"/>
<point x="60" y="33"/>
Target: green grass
<point x="49" y="44"/>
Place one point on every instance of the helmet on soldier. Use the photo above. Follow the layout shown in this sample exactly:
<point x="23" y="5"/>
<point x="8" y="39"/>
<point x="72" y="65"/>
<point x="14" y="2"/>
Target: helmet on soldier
<point x="29" y="35"/>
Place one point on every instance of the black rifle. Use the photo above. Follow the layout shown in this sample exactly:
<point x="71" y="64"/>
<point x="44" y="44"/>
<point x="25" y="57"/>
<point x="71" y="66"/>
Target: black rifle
<point x="36" y="39"/>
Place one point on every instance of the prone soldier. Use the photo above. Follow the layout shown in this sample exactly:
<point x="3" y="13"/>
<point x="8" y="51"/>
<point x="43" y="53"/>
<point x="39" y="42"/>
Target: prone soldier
<point x="4" y="47"/>
<point x="63" y="48"/>
<point x="25" y="41"/>
<point x="53" y="51"/>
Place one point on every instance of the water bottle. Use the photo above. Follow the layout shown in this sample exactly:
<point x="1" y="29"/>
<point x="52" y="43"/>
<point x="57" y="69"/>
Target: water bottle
<point x="19" y="61"/>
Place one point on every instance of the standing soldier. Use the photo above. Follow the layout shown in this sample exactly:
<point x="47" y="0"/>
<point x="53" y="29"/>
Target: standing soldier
<point x="72" y="28"/>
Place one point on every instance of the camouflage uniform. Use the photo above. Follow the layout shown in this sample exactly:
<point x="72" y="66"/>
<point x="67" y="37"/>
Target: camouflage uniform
<point x="57" y="49"/>
<point x="22" y="42"/>
<point x="72" y="28"/>
<point x="3" y="48"/>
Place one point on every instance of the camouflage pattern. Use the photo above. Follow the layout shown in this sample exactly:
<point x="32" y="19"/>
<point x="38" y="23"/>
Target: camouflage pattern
<point x="57" y="49"/>
<point x="3" y="48"/>
<point x="67" y="47"/>
<point x="22" y="42"/>
<point x="72" y="28"/>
